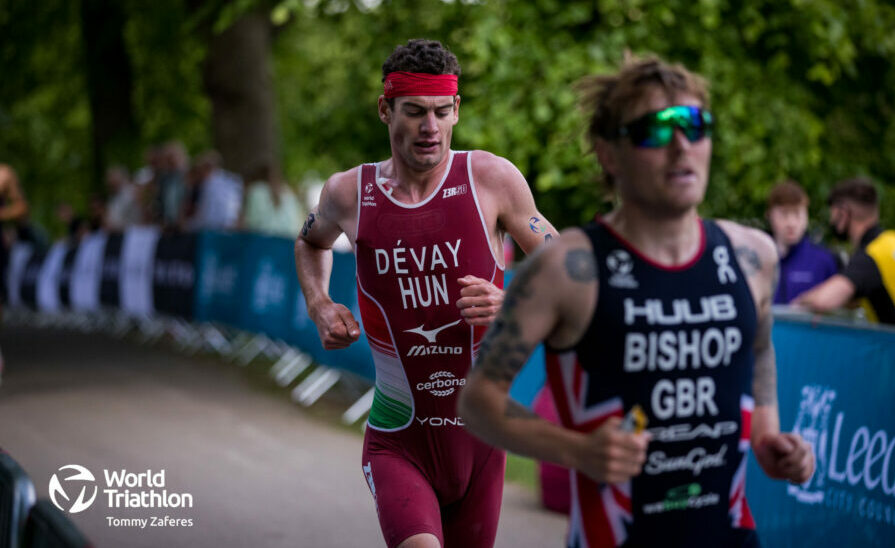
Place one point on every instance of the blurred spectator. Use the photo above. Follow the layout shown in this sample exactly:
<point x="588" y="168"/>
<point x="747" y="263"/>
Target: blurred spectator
<point x="96" y="212"/>
<point x="870" y="273"/>
<point x="218" y="194"/>
<point x="270" y="206"/>
<point x="803" y="264"/>
<point x="122" y="207"/>
<point x="153" y="158"/>
<point x="13" y="206"/>
<point x="168" y="186"/>
<point x="76" y="226"/>
<point x="13" y="210"/>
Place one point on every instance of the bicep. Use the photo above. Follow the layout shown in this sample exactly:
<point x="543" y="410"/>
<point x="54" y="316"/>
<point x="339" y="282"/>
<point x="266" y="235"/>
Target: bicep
<point x="521" y="218"/>
<point x="516" y="209"/>
<point x="528" y="227"/>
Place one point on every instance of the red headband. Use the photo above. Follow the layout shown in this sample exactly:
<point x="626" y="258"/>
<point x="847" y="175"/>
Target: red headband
<point x="403" y="84"/>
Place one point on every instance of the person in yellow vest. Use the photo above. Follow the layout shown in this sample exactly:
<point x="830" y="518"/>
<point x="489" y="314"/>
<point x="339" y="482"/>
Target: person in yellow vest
<point x="870" y="273"/>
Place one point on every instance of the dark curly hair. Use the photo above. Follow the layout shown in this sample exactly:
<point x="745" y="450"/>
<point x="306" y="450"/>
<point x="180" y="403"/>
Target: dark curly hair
<point x="420" y="55"/>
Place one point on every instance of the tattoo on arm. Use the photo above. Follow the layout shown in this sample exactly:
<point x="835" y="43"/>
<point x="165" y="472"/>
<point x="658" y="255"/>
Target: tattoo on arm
<point x="764" y="382"/>
<point x="749" y="260"/>
<point x="308" y="222"/>
<point x="580" y="265"/>
<point x="516" y="410"/>
<point x="503" y="351"/>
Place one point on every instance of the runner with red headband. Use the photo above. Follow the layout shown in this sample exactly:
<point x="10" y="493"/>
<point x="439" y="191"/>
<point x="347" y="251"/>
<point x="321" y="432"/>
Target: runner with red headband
<point x="427" y="227"/>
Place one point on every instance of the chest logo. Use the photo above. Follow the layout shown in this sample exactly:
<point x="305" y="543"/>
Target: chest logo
<point x="620" y="265"/>
<point x="726" y="274"/>
<point x="430" y="334"/>
<point x="454" y="191"/>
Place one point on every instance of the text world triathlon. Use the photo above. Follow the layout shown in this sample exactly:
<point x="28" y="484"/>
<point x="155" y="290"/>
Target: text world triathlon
<point x="120" y="495"/>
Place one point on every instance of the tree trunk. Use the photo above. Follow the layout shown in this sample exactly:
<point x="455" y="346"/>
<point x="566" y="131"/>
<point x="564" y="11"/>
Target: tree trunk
<point x="238" y="80"/>
<point x="109" y="86"/>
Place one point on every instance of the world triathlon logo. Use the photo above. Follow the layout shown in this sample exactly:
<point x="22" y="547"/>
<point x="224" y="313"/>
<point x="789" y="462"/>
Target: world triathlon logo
<point x="80" y="481"/>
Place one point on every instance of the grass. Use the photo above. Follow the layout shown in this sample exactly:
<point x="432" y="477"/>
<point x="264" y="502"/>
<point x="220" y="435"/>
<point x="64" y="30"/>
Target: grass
<point x="522" y="471"/>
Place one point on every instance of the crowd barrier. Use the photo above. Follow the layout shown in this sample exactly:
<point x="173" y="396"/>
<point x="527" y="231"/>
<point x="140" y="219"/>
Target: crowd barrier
<point x="835" y="380"/>
<point x="835" y="384"/>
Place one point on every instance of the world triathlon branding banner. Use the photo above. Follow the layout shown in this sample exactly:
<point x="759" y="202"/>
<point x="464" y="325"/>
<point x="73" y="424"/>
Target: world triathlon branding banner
<point x="835" y="388"/>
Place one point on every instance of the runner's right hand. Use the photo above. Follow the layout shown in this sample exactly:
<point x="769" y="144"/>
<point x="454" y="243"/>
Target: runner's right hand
<point x="611" y="455"/>
<point x="335" y="325"/>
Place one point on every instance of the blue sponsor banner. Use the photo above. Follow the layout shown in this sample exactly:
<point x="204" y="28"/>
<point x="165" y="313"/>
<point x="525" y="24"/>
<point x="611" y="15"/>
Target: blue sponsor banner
<point x="835" y="387"/>
<point x="221" y="277"/>
<point x="248" y="281"/>
<point x="343" y="289"/>
<point x="269" y="271"/>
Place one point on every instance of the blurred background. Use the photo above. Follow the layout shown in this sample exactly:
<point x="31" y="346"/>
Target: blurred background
<point x="169" y="151"/>
<point x="802" y="90"/>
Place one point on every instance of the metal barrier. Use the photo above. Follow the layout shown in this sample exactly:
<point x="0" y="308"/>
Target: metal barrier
<point x="16" y="500"/>
<point x="48" y="527"/>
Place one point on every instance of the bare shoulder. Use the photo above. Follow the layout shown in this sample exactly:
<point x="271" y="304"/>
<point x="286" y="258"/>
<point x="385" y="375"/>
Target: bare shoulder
<point x="755" y="249"/>
<point x="494" y="172"/>
<point x="339" y="195"/>
<point x="572" y="280"/>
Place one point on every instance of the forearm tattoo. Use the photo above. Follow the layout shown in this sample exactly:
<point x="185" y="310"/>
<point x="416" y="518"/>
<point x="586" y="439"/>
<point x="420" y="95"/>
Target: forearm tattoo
<point x="764" y="382"/>
<point x="503" y="351"/>
<point x="580" y="265"/>
<point x="308" y="223"/>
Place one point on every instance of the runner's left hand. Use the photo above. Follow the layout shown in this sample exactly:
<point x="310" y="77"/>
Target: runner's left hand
<point x="786" y="455"/>
<point x="480" y="300"/>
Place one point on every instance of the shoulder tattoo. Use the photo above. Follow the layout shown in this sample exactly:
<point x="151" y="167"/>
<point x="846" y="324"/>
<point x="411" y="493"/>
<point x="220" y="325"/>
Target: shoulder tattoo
<point x="580" y="265"/>
<point x="750" y="262"/>
<point x="308" y="223"/>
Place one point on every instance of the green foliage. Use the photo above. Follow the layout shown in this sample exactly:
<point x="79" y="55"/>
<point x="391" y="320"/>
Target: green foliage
<point x="801" y="89"/>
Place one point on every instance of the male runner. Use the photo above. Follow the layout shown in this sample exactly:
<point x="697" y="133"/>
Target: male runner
<point x="427" y="229"/>
<point x="650" y="309"/>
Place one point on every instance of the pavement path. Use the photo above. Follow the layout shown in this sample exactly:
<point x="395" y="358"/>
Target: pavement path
<point x="261" y="471"/>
